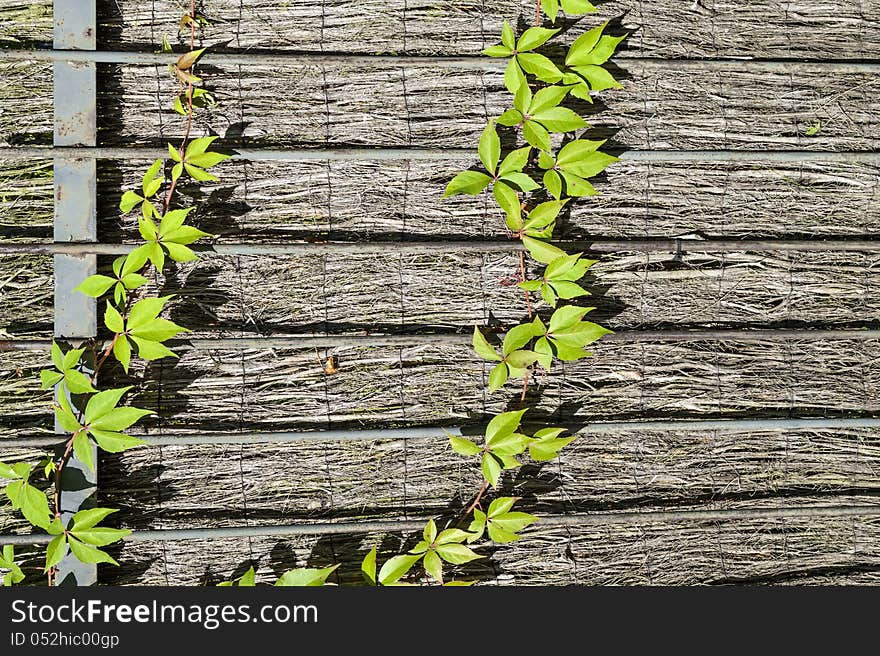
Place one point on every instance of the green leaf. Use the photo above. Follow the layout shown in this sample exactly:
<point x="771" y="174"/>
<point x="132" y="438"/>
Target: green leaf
<point x="602" y="52"/>
<point x="544" y="214"/>
<point x="497" y="51"/>
<point x="568" y="290"/>
<point x="482" y="346"/>
<point x="101" y="536"/>
<point x="122" y="352"/>
<point x="305" y="577"/>
<point x="508" y="37"/>
<point x="77" y="382"/>
<point x="207" y="160"/>
<point x="88" y="554"/>
<point x="598" y="78"/>
<point x="451" y="535"/>
<point x="500" y="506"/>
<point x="515" y="160"/>
<point x="521" y="181"/>
<point x="56" y="551"/>
<point x="566" y="316"/>
<point x="491" y="468"/>
<point x="395" y="568"/>
<point x="57" y="356"/>
<point x="86" y="519"/>
<point x="464" y="446"/>
<point x="503" y="424"/>
<point x="588" y="164"/>
<point x="114" y="442"/>
<point x="530" y="285"/>
<point x="510" y="118"/>
<point x="157" y="330"/>
<point x="149" y="350"/>
<point x="542" y="251"/>
<point x="133" y="281"/>
<point x="539" y="66"/>
<point x="514" y="77"/>
<point x="135" y="260"/>
<point x="456" y="554"/>
<point x="434" y="566"/>
<point x="199" y="146"/>
<point x="535" y="134"/>
<point x="576" y="7"/>
<point x="508" y="200"/>
<point x="248" y="579"/>
<point x="534" y="37"/>
<point x="368" y="567"/>
<point x="581" y="48"/>
<point x="490" y="148"/>
<point x="200" y="174"/>
<point x="508" y="445"/>
<point x="120" y="418"/>
<point x="547" y="448"/>
<point x="146" y="310"/>
<point x="7" y="472"/>
<point x="546" y="98"/>
<point x="467" y="182"/>
<point x="173" y="220"/>
<point x="64" y="415"/>
<point x="576" y="186"/>
<point x="113" y="320"/>
<point x="103" y="402"/>
<point x="32" y="502"/>
<point x="49" y="378"/>
<point x="184" y="235"/>
<point x="95" y="286"/>
<point x="430" y="531"/>
<point x="176" y="171"/>
<point x="553" y="183"/>
<point x="516" y="338"/>
<point x="500" y="535"/>
<point x="551" y="8"/>
<point x="128" y="201"/>
<point x="82" y="448"/>
<point x="497" y="377"/>
<point x="152" y="179"/>
<point x="559" y="119"/>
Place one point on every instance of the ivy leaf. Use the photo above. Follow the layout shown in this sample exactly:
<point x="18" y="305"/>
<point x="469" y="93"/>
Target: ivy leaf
<point x="86" y="519"/>
<point x="56" y="551"/>
<point x="508" y="200"/>
<point x="490" y="148"/>
<point x="82" y="448"/>
<point x="305" y="577"/>
<point x="32" y="502"/>
<point x="467" y="182"/>
<point x="129" y="201"/>
<point x="395" y="568"/>
<point x="8" y="472"/>
<point x="368" y="567"/>
<point x="498" y="376"/>
<point x="542" y="251"/>
<point x="515" y="161"/>
<point x="464" y="446"/>
<point x="88" y="554"/>
<point x="482" y="346"/>
<point x="491" y="467"/>
<point x="114" y="442"/>
<point x="248" y="579"/>
<point x="533" y="38"/>
<point x="100" y="536"/>
<point x="187" y="59"/>
<point x="433" y="565"/>
<point x="592" y="48"/>
<point x="95" y="286"/>
<point x="546" y="444"/>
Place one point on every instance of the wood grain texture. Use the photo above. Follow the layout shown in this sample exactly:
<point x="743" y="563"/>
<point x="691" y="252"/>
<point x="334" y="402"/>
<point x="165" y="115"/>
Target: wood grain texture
<point x="355" y="104"/>
<point x="808" y="29"/>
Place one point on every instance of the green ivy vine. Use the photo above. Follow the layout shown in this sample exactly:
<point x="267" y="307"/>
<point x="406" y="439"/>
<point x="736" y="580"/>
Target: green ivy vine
<point x="550" y="151"/>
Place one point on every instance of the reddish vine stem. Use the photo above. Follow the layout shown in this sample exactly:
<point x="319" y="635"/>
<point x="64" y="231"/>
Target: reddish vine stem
<point x="478" y="498"/>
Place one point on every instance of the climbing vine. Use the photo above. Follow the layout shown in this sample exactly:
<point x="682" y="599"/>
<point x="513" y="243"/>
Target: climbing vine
<point x="548" y="149"/>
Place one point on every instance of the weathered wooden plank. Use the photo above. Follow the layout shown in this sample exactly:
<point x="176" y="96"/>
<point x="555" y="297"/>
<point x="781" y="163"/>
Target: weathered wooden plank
<point x="810" y="29"/>
<point x="222" y="295"/>
<point x="659" y="108"/>
<point x="266" y="390"/>
<point x="843" y="551"/>
<point x="265" y="201"/>
<point x="26" y="283"/>
<point x="26" y="211"/>
<point x="25" y="24"/>
<point x="26" y="97"/>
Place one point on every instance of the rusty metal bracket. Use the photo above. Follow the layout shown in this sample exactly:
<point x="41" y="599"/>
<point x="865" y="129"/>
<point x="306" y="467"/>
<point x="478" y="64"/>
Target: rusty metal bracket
<point x="75" y="221"/>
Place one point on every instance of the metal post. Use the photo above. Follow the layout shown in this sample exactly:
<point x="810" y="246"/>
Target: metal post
<point x="75" y="221"/>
